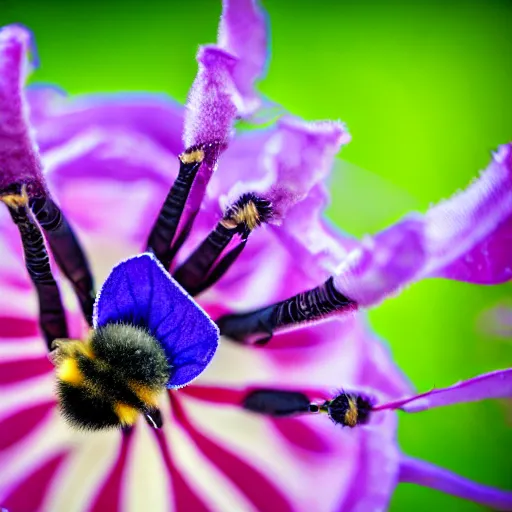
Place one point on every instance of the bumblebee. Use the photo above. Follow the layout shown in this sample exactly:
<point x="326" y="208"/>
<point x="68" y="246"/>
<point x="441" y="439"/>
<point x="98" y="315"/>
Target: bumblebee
<point x="146" y="334"/>
<point x="109" y="379"/>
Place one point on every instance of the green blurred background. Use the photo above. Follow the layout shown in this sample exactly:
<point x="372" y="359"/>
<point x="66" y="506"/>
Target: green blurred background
<point x="425" y="89"/>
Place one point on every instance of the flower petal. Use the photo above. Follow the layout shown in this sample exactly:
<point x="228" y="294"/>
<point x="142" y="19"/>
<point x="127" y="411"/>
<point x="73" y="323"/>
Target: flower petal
<point x="140" y="291"/>
<point x="471" y="233"/>
<point x="496" y="384"/>
<point x="243" y="33"/>
<point x="211" y="106"/>
<point x="298" y="156"/>
<point x="32" y="491"/>
<point x="423" y="473"/>
<point x="466" y="237"/>
<point x="19" y="158"/>
<point x="58" y="118"/>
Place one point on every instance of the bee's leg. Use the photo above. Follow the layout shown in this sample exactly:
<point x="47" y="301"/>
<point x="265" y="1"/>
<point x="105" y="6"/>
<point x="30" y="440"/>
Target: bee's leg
<point x="51" y="311"/>
<point x="164" y="230"/>
<point x="67" y="251"/>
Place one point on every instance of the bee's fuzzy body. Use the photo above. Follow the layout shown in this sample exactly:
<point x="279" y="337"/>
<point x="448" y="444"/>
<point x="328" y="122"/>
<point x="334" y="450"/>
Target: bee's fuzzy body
<point x="107" y="380"/>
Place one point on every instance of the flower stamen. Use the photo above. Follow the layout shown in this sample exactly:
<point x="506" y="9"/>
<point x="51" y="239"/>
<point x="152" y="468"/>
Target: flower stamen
<point x="51" y="311"/>
<point x="273" y="402"/>
<point x="166" y="225"/>
<point x="66" y="250"/>
<point x="348" y="409"/>
<point x="257" y="327"/>
<point x="206" y="265"/>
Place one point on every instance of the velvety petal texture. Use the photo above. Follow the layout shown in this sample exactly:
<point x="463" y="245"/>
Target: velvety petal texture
<point x="139" y="291"/>
<point x="466" y="237"/>
<point x="496" y="384"/>
<point x="297" y="156"/>
<point x="19" y="158"/>
<point x="243" y="33"/>
<point x="211" y="106"/>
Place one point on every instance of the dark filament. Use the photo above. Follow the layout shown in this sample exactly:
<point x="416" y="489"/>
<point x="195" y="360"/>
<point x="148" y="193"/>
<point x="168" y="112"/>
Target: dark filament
<point x="276" y="403"/>
<point x="206" y="265"/>
<point x="51" y="312"/>
<point x="67" y="251"/>
<point x="166" y="225"/>
<point x="193" y="274"/>
<point x="257" y="327"/>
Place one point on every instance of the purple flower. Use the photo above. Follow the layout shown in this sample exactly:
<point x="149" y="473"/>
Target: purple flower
<point x="236" y="219"/>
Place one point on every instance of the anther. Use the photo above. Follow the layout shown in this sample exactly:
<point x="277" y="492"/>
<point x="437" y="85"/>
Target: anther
<point x="258" y="327"/>
<point x="164" y="230"/>
<point x="348" y="409"/>
<point x="210" y="261"/>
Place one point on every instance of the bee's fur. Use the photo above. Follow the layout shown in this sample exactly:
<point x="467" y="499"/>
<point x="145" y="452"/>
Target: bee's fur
<point x="107" y="380"/>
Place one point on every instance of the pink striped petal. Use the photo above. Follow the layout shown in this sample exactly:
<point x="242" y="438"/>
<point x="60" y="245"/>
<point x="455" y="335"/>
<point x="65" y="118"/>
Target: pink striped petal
<point x="466" y="237"/>
<point x="12" y="372"/>
<point x="496" y="384"/>
<point x="29" y="494"/>
<point x="20" y="424"/>
<point x="110" y="495"/>
<point x="260" y="491"/>
<point x="243" y="33"/>
<point x="184" y="497"/>
<point x="299" y="434"/>
<point x="13" y="327"/>
<point x="19" y="158"/>
<point x="428" y="475"/>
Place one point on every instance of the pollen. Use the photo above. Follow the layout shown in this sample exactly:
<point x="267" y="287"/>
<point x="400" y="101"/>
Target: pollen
<point x="249" y="211"/>
<point x="16" y="200"/>
<point x="192" y="157"/>
<point x="69" y="372"/>
<point x="352" y="413"/>
<point x="248" y="214"/>
<point x="126" y="413"/>
<point x="348" y="410"/>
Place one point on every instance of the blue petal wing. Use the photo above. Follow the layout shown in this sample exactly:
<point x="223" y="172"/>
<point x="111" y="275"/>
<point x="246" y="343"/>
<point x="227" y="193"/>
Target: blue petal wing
<point x="141" y="292"/>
